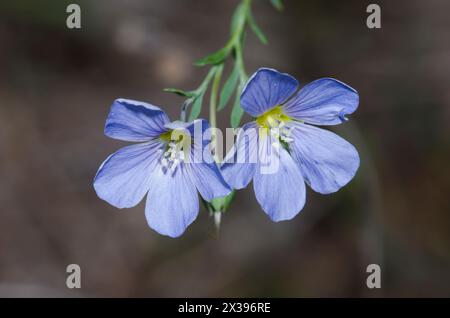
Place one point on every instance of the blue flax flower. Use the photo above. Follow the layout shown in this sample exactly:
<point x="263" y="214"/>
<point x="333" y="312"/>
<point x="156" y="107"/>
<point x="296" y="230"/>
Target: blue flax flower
<point x="168" y="164"/>
<point x="284" y="119"/>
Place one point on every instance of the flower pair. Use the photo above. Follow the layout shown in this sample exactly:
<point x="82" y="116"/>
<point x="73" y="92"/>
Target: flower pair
<point x="166" y="167"/>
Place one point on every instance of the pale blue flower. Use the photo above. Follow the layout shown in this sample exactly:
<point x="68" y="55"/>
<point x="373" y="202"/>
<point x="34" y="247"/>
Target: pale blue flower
<point x="285" y="116"/>
<point x="158" y="166"/>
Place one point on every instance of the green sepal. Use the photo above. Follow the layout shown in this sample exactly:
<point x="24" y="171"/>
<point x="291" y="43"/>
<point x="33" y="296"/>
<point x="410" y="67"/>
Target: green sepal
<point x="220" y="204"/>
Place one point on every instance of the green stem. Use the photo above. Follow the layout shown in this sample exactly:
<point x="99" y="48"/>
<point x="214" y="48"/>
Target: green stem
<point x="235" y="38"/>
<point x="196" y="93"/>
<point x="213" y="108"/>
<point x="204" y="85"/>
<point x="242" y="18"/>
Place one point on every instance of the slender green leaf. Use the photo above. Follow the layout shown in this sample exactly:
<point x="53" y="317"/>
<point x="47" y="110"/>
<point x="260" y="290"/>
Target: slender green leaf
<point x="237" y="111"/>
<point x="214" y="58"/>
<point x="196" y="107"/>
<point x="238" y="18"/>
<point x="228" y="88"/>
<point x="179" y="92"/>
<point x="278" y="4"/>
<point x="255" y="28"/>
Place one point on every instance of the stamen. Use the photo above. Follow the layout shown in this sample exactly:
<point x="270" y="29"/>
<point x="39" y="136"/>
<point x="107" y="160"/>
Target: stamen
<point x="164" y="162"/>
<point x="281" y="134"/>
<point x="172" y="157"/>
<point x="274" y="121"/>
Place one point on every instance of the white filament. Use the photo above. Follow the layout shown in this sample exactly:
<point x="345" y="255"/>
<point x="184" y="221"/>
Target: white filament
<point x="172" y="157"/>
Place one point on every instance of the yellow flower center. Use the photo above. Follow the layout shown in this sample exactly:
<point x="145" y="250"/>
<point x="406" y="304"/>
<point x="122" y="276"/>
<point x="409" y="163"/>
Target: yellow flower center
<point x="177" y="148"/>
<point x="273" y="123"/>
<point x="167" y="136"/>
<point x="273" y="118"/>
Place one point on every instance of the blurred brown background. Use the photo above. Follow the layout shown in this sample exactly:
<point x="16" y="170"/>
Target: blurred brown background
<point x="56" y="87"/>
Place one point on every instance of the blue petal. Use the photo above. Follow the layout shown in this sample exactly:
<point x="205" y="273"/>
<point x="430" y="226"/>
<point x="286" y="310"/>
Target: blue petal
<point x="131" y="120"/>
<point x="325" y="101"/>
<point x="208" y="180"/>
<point x="124" y="177"/>
<point x="327" y="161"/>
<point x="240" y="163"/>
<point x="206" y="174"/>
<point x="265" y="89"/>
<point x="194" y="129"/>
<point x="281" y="193"/>
<point x="172" y="202"/>
<point x="178" y="124"/>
